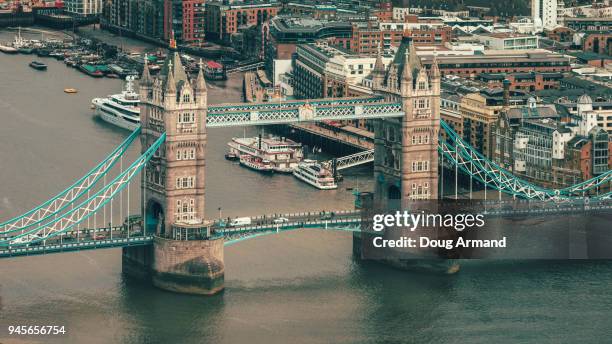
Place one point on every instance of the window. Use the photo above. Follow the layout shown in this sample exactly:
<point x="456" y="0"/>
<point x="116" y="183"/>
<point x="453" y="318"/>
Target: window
<point x="420" y="139"/>
<point x="185" y="182"/>
<point x="186" y="117"/>
<point x="185" y="209"/>
<point x="420" y="166"/>
<point x="422" y="85"/>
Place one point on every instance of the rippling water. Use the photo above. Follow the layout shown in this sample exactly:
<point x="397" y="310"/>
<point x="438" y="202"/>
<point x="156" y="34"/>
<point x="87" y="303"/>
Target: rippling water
<point x="300" y="287"/>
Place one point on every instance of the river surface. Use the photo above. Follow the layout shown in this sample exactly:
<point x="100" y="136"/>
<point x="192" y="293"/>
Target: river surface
<point x="300" y="287"/>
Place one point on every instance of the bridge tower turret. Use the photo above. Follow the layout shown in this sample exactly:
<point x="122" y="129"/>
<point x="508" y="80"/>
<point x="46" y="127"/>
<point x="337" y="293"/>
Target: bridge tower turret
<point x="173" y="182"/>
<point x="378" y="74"/>
<point x="406" y="159"/>
<point x="186" y="257"/>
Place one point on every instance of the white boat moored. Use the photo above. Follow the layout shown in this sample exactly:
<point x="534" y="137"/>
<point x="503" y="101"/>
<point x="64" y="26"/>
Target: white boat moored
<point x="121" y="109"/>
<point x="313" y="173"/>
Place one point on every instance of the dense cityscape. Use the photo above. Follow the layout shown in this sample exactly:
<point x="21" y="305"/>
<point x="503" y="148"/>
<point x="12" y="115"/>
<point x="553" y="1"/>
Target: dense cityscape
<point x="201" y="143"/>
<point x="546" y="76"/>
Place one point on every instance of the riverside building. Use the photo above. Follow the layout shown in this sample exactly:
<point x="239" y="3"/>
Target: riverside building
<point x="535" y="142"/>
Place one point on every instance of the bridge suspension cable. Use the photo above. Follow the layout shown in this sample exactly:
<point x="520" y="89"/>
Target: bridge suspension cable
<point x="65" y="198"/>
<point x="475" y="164"/>
<point x="86" y="208"/>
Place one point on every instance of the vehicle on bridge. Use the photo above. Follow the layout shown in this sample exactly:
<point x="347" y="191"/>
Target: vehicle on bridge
<point x="240" y="221"/>
<point x="280" y="220"/>
<point x="327" y="215"/>
<point x="98" y="236"/>
<point x="27" y="240"/>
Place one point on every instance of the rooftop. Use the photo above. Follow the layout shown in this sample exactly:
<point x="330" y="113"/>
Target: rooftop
<point x="538" y="112"/>
<point x="306" y="29"/>
<point x="501" y="56"/>
<point x="504" y="35"/>
<point x="241" y="4"/>
<point x="589" y="19"/>
<point x="589" y="56"/>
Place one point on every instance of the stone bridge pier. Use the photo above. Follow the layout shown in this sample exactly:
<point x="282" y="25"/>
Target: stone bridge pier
<point x="191" y="265"/>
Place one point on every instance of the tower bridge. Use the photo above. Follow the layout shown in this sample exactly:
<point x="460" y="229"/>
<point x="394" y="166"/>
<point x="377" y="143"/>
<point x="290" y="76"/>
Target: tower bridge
<point x="181" y="250"/>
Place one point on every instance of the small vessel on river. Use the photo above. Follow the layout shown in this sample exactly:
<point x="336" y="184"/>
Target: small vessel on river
<point x="38" y="65"/>
<point x="313" y="173"/>
<point x="282" y="153"/>
<point x="8" y="49"/>
<point x="214" y="71"/>
<point x="256" y="163"/>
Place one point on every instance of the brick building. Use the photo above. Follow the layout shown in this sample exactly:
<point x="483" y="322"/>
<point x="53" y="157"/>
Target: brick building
<point x="284" y="33"/>
<point x="598" y="43"/>
<point x="561" y="34"/>
<point x="224" y="20"/>
<point x="528" y="82"/>
<point x="367" y="38"/>
<point x="323" y="71"/>
<point x="145" y="17"/>
<point x="535" y="143"/>
<point x="501" y="61"/>
<point x="575" y="165"/>
<point x="589" y="24"/>
<point x="185" y="19"/>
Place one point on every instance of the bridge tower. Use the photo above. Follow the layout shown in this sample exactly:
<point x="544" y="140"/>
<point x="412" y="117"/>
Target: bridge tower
<point x="406" y="149"/>
<point x="185" y="256"/>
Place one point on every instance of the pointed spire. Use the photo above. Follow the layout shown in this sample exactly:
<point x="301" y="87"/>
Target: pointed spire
<point x="178" y="69"/>
<point x="170" y="83"/>
<point x="200" y="84"/>
<point x="146" y="76"/>
<point x="413" y="60"/>
<point x="379" y="65"/>
<point x="407" y="70"/>
<point x="435" y="69"/>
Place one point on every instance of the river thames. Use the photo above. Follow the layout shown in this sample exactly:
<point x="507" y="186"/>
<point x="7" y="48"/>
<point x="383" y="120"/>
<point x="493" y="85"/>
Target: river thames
<point x="300" y="287"/>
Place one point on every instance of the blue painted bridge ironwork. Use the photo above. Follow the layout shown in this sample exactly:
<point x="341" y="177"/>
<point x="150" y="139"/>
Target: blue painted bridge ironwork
<point x="72" y="209"/>
<point x="343" y="220"/>
<point x="228" y="115"/>
<point x="124" y="236"/>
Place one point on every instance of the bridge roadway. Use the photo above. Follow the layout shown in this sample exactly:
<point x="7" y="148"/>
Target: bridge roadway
<point x="345" y="220"/>
<point x="120" y="236"/>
